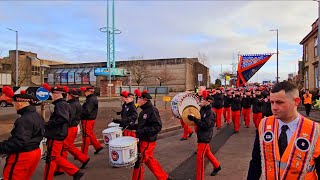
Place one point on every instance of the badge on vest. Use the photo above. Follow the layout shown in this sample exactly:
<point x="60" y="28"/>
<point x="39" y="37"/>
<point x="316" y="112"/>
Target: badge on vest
<point x="268" y="136"/>
<point x="204" y="116"/>
<point x="127" y="109"/>
<point x="145" y="116"/>
<point x="302" y="144"/>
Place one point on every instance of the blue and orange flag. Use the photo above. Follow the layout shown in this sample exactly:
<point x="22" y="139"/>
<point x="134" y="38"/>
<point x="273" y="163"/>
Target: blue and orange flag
<point x="248" y="65"/>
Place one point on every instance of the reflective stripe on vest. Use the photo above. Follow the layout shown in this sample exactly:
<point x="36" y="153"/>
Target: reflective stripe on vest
<point x="283" y="165"/>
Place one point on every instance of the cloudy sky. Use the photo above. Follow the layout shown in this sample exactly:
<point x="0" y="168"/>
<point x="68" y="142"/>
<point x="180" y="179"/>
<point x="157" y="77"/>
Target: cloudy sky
<point x="69" y="30"/>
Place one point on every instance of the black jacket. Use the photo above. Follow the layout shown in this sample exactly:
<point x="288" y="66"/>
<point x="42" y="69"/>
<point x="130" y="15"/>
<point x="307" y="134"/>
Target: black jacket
<point x="129" y="115"/>
<point x="255" y="171"/>
<point x="266" y="109"/>
<point x="246" y="102"/>
<point x="90" y="108"/>
<point x="257" y="104"/>
<point x="26" y="134"/>
<point x="205" y="124"/>
<point x="236" y="103"/>
<point x="226" y="101"/>
<point x="149" y="123"/>
<point x="218" y="101"/>
<point x="57" y="126"/>
<point x="76" y="111"/>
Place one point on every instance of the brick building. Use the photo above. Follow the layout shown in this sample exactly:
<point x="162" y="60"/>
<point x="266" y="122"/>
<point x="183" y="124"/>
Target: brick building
<point x="178" y="74"/>
<point x="310" y="58"/>
<point x="29" y="70"/>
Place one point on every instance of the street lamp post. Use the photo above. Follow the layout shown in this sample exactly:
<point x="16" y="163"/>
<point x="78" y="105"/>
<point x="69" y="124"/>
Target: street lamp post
<point x="277" y="53"/>
<point x="43" y="107"/>
<point x="17" y="63"/>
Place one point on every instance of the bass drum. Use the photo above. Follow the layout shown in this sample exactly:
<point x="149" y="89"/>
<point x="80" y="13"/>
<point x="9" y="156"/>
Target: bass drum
<point x="174" y="104"/>
<point x="183" y="101"/>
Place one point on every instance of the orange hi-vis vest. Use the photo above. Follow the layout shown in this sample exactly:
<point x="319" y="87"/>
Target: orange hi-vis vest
<point x="298" y="160"/>
<point x="307" y="100"/>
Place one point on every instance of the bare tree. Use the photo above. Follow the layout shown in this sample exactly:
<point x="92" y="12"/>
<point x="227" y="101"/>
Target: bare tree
<point x="164" y="76"/>
<point x="24" y="72"/>
<point x="138" y="70"/>
<point x="224" y="75"/>
<point x="203" y="58"/>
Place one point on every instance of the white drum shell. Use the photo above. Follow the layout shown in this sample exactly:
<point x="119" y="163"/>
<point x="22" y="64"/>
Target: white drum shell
<point x="111" y="133"/>
<point x="123" y="151"/>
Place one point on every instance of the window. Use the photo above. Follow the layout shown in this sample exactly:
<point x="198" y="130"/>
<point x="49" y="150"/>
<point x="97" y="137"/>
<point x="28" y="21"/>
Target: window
<point x="307" y="80"/>
<point x="306" y="52"/>
<point x="315" y="46"/>
<point x="35" y="71"/>
<point x="316" y="76"/>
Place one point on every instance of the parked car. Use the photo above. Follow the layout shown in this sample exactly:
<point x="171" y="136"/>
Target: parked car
<point x="5" y="101"/>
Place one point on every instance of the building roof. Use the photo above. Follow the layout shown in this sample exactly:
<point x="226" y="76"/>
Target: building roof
<point x="311" y="33"/>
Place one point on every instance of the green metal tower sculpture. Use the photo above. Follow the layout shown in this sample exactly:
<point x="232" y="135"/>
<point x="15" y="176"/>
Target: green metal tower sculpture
<point x="111" y="32"/>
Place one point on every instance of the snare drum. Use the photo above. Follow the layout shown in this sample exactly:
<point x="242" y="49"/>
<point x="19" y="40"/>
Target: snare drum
<point x="123" y="151"/>
<point x="111" y="133"/>
<point x="112" y="124"/>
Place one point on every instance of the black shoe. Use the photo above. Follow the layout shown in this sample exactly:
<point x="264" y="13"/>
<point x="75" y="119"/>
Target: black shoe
<point x="98" y="150"/>
<point x="215" y="171"/>
<point x="78" y="175"/>
<point x="190" y="134"/>
<point x="85" y="164"/>
<point x="195" y="152"/>
<point x="218" y="128"/>
<point x="182" y="139"/>
<point x="169" y="178"/>
<point x="58" y="173"/>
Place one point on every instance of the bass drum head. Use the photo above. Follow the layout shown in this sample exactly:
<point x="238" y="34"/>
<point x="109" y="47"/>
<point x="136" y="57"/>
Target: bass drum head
<point x="190" y="110"/>
<point x="174" y="104"/>
<point x="187" y="100"/>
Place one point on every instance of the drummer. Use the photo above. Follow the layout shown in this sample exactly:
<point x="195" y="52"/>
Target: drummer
<point x="205" y="132"/>
<point x="128" y="114"/>
<point x="148" y="127"/>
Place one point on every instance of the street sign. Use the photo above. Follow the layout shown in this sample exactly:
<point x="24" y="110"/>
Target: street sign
<point x="166" y="98"/>
<point x="42" y="94"/>
<point x="200" y="77"/>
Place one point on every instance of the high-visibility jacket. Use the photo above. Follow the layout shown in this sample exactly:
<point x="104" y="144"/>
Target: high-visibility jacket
<point x="307" y="99"/>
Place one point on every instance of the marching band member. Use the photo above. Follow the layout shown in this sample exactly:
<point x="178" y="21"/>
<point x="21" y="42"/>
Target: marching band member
<point x="128" y="114"/>
<point x="218" y="106"/>
<point x="266" y="105"/>
<point x="147" y="129"/>
<point x="56" y="130"/>
<point x="246" y="107"/>
<point x="22" y="147"/>
<point x="227" y="106"/>
<point x="235" y="110"/>
<point x="287" y="145"/>
<point x="256" y="107"/>
<point x="68" y="143"/>
<point x="88" y="116"/>
<point x="204" y="134"/>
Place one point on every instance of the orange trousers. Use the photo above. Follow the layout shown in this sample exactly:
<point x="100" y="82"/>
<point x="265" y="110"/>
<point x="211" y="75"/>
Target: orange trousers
<point x="218" y="116"/>
<point x="186" y="129"/>
<point x="68" y="146"/>
<point x="146" y="156"/>
<point x="246" y="116"/>
<point x="256" y="119"/>
<point x="226" y="114"/>
<point x="236" y="120"/>
<point x="131" y="133"/>
<point x="204" y="150"/>
<point x="55" y="159"/>
<point x="21" y="165"/>
<point x="88" y="136"/>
